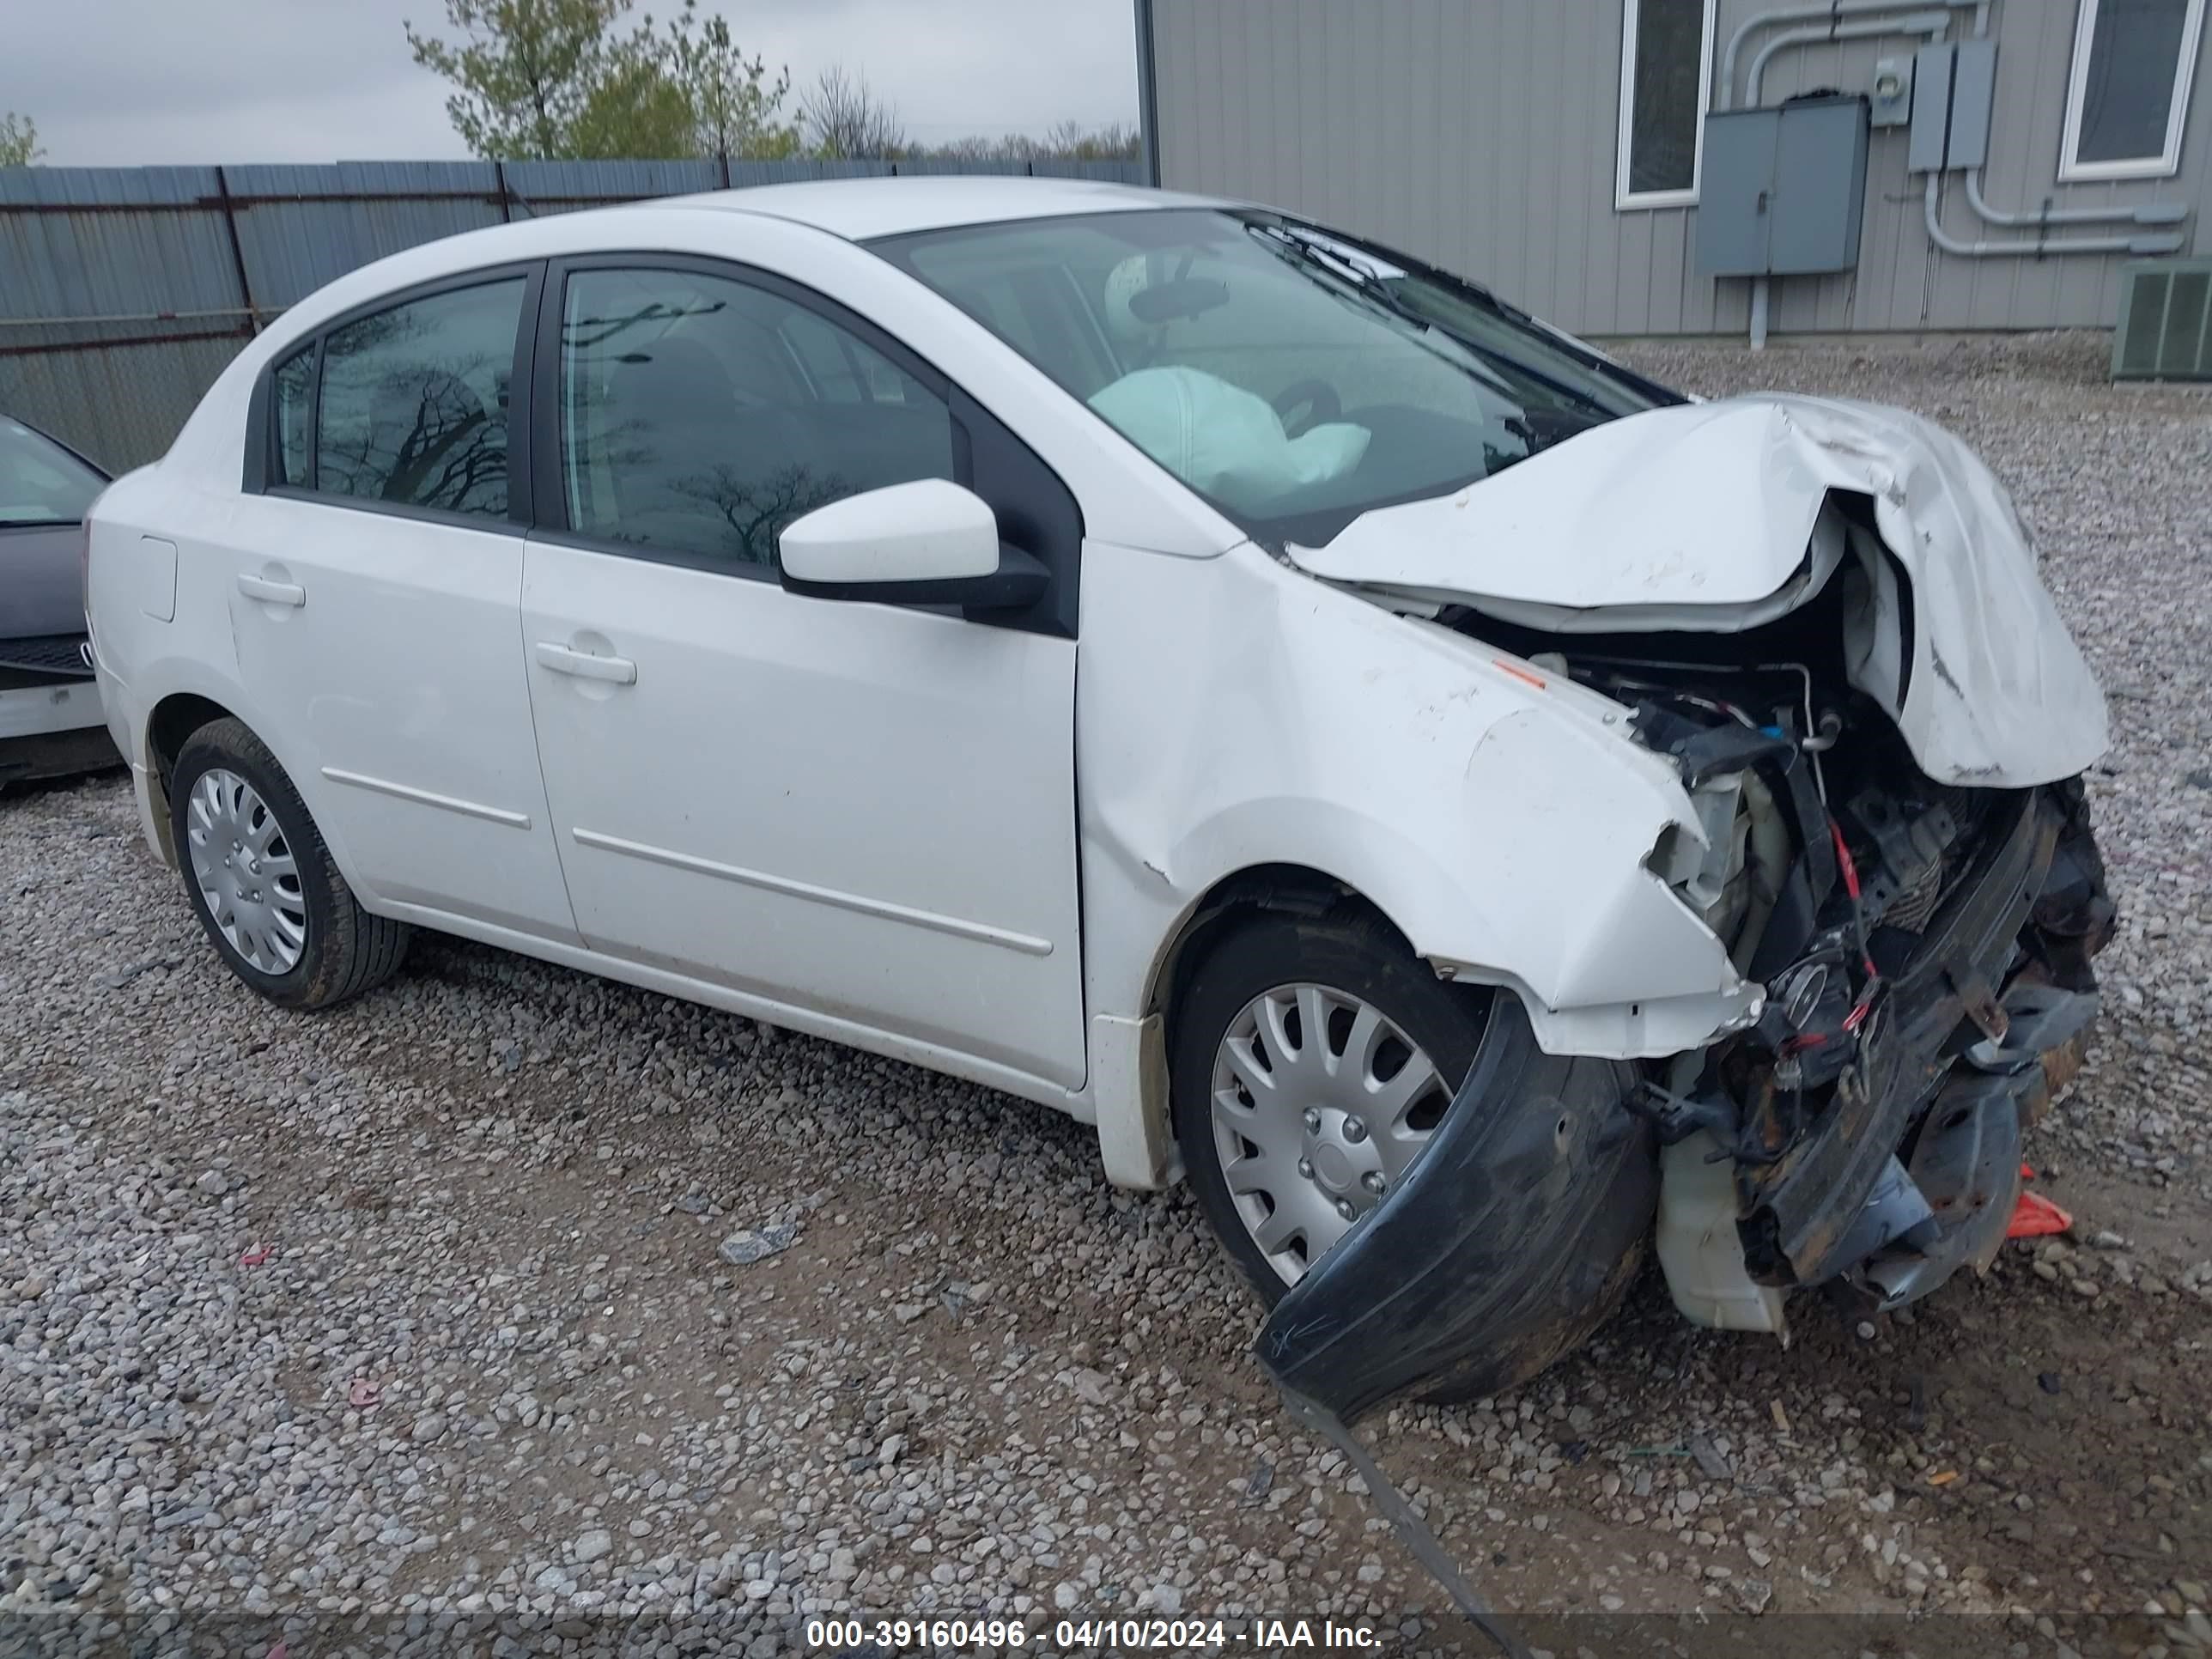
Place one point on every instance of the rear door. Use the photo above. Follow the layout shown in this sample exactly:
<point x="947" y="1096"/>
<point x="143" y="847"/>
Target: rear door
<point x="862" y="811"/>
<point x="374" y="591"/>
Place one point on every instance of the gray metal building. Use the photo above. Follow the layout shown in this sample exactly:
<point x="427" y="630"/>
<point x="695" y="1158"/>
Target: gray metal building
<point x="1563" y="152"/>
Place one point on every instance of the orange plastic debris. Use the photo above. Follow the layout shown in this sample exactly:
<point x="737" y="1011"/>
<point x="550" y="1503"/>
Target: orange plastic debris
<point x="1943" y="1477"/>
<point x="2036" y="1215"/>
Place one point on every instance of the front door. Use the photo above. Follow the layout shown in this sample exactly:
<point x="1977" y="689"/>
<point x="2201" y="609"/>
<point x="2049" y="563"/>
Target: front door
<point x="862" y="811"/>
<point x="376" y="605"/>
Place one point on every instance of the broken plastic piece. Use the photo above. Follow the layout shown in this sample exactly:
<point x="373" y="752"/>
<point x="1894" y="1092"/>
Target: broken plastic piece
<point x="1518" y="1227"/>
<point x="1699" y="1248"/>
<point x="255" y="1254"/>
<point x="2036" y="1216"/>
<point x="363" y="1393"/>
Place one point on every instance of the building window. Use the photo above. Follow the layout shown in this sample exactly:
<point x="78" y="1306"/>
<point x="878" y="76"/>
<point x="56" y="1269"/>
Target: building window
<point x="2129" y="96"/>
<point x="1666" y="67"/>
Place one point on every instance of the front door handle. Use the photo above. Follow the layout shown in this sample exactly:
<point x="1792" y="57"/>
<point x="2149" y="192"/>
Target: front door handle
<point x="564" y="659"/>
<point x="271" y="592"/>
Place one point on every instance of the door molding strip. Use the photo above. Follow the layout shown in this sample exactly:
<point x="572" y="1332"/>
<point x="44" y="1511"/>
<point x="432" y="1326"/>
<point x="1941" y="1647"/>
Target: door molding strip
<point x="981" y="931"/>
<point x="467" y="809"/>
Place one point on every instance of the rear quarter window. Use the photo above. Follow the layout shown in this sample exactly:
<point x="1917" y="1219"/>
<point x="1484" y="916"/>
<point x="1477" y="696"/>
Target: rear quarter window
<point x="293" y="382"/>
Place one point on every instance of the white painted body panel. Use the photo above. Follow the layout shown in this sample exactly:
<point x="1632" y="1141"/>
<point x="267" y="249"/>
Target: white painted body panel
<point x="1236" y="715"/>
<point x="964" y="846"/>
<point x="37" y="711"/>
<point x="403" y="710"/>
<point x="1696" y="518"/>
<point x="858" y="808"/>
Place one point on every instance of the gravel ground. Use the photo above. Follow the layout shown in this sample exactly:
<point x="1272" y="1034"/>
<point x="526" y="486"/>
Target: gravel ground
<point x="335" y="1328"/>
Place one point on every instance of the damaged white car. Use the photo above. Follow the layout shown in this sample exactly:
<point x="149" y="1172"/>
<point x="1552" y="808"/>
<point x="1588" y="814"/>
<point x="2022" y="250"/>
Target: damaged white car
<point x="1473" y="811"/>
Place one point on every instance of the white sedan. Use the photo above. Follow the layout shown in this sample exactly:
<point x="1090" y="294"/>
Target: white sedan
<point x="1469" y="809"/>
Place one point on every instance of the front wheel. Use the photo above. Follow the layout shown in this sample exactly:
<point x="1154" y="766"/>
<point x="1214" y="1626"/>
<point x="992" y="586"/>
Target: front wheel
<point x="1413" y="1239"/>
<point x="1313" y="1061"/>
<point x="263" y="884"/>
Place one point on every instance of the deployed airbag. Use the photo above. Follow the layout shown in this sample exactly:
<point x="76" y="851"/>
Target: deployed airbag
<point x="1222" y="439"/>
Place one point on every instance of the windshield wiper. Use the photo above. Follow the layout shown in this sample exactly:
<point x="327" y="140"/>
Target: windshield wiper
<point x="1373" y="285"/>
<point x="1347" y="268"/>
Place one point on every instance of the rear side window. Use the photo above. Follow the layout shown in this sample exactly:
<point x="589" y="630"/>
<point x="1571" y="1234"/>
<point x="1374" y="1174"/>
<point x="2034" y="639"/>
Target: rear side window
<point x="414" y="403"/>
<point x="295" y="381"/>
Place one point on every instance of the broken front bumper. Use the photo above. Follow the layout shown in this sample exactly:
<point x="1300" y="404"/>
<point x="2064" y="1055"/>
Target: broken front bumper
<point x="1843" y="1193"/>
<point x="1513" y="1233"/>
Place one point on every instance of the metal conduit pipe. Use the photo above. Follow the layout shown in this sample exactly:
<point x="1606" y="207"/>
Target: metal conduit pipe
<point x="1930" y="24"/>
<point x="2038" y="246"/>
<point x="1834" y="12"/>
<point x="2150" y="213"/>
<point x="1933" y="24"/>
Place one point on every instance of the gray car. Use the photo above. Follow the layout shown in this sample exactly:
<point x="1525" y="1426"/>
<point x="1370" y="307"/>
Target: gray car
<point x="50" y="722"/>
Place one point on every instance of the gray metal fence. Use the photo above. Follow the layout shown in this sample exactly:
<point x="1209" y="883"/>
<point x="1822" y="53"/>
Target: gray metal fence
<point x="123" y="291"/>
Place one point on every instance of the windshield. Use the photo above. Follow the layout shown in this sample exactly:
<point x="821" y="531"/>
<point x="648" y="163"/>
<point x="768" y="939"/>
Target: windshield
<point x="1294" y="377"/>
<point x="41" y="482"/>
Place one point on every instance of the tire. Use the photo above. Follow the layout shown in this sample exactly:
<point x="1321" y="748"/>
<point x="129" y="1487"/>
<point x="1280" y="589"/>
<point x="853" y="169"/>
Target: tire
<point x="1352" y="954"/>
<point x="1524" y="1229"/>
<point x="1517" y="1235"/>
<point x="298" y="937"/>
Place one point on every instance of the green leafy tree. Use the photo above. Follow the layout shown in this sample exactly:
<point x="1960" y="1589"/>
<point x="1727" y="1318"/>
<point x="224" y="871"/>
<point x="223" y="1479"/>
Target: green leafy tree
<point x="19" y="140"/>
<point x="558" y="80"/>
<point x="637" y="109"/>
<point x="545" y="79"/>
<point x="735" y="108"/>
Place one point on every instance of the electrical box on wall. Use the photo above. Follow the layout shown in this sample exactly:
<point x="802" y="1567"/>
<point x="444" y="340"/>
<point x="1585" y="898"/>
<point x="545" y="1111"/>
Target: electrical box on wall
<point x="1890" y="104"/>
<point x="1956" y="91"/>
<point x="1784" y="189"/>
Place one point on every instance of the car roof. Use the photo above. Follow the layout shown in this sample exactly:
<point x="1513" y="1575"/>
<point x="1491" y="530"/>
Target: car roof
<point x="861" y="209"/>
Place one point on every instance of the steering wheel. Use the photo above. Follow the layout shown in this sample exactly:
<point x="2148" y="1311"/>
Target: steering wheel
<point x="1317" y="398"/>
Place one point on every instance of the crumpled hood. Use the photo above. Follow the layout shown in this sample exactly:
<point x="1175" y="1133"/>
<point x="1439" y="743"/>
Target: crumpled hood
<point x="1702" y="518"/>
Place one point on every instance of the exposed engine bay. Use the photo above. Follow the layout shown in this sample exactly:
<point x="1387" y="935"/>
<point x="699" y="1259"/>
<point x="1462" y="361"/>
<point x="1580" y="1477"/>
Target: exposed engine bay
<point x="1831" y="867"/>
<point x="1827" y="618"/>
<point x="1923" y="949"/>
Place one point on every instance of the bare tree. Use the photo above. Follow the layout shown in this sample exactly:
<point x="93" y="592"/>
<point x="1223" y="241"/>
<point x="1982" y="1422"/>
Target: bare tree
<point x="844" y="118"/>
<point x="1068" y="141"/>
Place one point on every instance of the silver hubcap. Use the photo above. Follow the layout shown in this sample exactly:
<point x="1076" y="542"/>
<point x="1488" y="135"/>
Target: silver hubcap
<point x="1320" y="1105"/>
<point x="244" y="869"/>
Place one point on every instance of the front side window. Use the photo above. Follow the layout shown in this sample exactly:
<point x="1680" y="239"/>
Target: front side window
<point x="41" y="482"/>
<point x="1293" y="377"/>
<point x="413" y="402"/>
<point x="700" y="415"/>
<point x="1665" y="64"/>
<point x="2126" y="102"/>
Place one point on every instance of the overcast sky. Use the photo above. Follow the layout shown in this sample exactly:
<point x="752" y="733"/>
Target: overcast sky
<point x="141" y="82"/>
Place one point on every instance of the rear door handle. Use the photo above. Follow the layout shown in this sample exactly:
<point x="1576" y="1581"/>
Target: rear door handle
<point x="564" y="659"/>
<point x="270" y="592"/>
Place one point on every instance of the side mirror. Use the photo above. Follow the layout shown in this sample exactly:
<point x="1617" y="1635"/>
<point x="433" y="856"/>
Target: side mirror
<point x="926" y="543"/>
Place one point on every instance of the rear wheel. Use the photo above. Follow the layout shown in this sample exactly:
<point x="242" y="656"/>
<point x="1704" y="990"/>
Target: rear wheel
<point x="1313" y="1061"/>
<point x="261" y="881"/>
